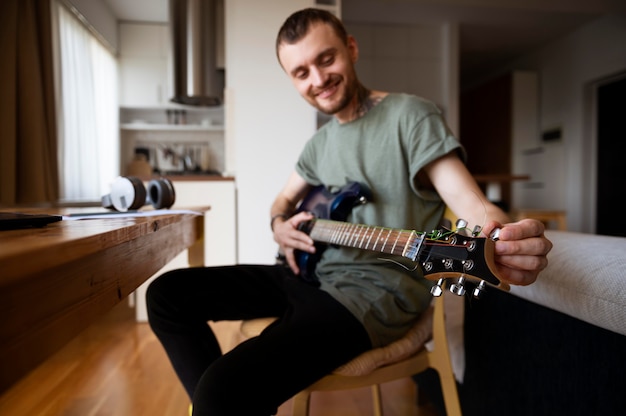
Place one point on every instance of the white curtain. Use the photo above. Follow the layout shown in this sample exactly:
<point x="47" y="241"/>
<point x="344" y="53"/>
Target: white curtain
<point x="88" y="131"/>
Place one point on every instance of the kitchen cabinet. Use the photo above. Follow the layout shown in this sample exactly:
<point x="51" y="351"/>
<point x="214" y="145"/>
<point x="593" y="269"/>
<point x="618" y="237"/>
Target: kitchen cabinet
<point x="144" y="64"/>
<point x="220" y="245"/>
<point x="145" y="61"/>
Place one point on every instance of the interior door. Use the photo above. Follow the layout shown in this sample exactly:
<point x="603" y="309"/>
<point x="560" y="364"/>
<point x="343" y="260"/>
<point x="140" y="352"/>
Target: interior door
<point x="611" y="157"/>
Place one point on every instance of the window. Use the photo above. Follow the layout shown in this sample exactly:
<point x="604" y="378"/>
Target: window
<point x="88" y="111"/>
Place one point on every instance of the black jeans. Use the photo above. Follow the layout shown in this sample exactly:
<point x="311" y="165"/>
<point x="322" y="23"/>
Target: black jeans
<point x="314" y="335"/>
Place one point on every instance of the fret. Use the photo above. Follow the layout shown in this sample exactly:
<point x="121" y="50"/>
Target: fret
<point x="385" y="242"/>
<point x="367" y="245"/>
<point x="347" y="235"/>
<point x="333" y="235"/>
<point x="342" y="233"/>
<point x="393" y="248"/>
<point x="380" y="232"/>
<point x="364" y="229"/>
<point x="355" y="235"/>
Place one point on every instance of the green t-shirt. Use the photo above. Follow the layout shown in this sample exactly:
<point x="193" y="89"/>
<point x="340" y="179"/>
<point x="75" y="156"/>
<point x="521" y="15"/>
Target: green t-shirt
<point x="384" y="151"/>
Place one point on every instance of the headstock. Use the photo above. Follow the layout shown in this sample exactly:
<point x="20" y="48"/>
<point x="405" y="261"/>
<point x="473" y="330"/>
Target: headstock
<point x="458" y="258"/>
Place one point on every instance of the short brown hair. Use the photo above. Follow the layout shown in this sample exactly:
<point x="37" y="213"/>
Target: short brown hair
<point x="297" y="25"/>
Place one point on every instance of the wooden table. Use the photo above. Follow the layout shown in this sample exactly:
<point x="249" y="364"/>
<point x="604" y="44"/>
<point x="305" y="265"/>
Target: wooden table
<point x="56" y="280"/>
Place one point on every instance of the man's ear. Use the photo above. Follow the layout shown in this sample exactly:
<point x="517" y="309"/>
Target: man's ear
<point x="353" y="48"/>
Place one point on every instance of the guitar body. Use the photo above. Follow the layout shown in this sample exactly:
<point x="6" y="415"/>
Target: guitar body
<point x="324" y="204"/>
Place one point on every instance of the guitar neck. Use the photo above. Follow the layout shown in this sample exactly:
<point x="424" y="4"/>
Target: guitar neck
<point x="397" y="242"/>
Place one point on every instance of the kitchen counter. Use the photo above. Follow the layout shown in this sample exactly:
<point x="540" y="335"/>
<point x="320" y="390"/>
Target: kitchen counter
<point x="190" y="177"/>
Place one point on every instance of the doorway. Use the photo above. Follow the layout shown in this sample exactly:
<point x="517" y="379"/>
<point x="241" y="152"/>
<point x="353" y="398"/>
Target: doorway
<point x="611" y="148"/>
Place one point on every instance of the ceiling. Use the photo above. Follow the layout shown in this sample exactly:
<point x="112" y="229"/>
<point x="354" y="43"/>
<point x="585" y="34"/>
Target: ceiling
<point x="492" y="32"/>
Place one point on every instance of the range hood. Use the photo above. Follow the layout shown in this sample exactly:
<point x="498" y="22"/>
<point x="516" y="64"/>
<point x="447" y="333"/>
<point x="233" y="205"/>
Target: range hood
<point x="197" y="81"/>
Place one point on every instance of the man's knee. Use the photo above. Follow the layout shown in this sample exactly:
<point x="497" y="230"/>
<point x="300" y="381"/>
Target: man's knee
<point x="160" y="294"/>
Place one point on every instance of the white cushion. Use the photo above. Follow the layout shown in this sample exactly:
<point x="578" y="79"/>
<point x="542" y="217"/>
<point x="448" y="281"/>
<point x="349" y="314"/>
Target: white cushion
<point x="585" y="278"/>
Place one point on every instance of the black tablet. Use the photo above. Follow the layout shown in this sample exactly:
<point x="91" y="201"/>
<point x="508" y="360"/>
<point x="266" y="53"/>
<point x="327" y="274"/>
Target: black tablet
<point x="14" y="220"/>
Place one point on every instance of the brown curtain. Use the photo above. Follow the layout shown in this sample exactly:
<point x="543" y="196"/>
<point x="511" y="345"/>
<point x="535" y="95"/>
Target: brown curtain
<point x="28" y="137"/>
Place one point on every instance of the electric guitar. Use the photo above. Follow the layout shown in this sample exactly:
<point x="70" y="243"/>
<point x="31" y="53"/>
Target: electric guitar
<point x="443" y="255"/>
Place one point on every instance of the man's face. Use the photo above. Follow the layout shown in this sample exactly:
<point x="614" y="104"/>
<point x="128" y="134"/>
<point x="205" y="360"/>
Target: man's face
<point x="321" y="68"/>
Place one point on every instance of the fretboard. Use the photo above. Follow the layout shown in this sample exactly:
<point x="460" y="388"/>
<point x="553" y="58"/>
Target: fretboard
<point x="398" y="242"/>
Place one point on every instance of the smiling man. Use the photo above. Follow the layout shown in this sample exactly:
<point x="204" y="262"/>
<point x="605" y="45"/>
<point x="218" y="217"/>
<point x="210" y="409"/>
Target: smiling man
<point x="325" y="76"/>
<point x="399" y="149"/>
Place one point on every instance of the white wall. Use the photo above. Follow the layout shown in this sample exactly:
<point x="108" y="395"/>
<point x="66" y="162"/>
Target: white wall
<point x="401" y="58"/>
<point x="412" y="58"/>
<point x="567" y="67"/>
<point x="267" y="122"/>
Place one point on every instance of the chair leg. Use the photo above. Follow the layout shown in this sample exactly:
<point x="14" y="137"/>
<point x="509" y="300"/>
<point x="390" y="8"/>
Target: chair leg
<point x="448" y="383"/>
<point x="378" y="401"/>
<point x="440" y="361"/>
<point x="301" y="402"/>
<point x="450" y="396"/>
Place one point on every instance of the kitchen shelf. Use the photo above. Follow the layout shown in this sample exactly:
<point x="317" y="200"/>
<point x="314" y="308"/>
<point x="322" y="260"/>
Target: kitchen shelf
<point x="173" y="106"/>
<point x="169" y="127"/>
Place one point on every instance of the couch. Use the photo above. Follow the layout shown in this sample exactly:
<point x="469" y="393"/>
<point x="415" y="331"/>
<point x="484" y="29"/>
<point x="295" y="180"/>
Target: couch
<point x="556" y="347"/>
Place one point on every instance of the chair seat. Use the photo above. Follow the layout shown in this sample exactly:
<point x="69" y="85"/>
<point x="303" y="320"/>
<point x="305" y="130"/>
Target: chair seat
<point x="367" y="362"/>
<point x="405" y="347"/>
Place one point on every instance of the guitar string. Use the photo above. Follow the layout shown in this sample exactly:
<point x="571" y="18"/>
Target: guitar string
<point x="397" y="263"/>
<point x="341" y="233"/>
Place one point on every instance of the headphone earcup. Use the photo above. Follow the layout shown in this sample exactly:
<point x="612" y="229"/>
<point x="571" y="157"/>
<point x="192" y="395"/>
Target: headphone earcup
<point x="161" y="193"/>
<point x="127" y="193"/>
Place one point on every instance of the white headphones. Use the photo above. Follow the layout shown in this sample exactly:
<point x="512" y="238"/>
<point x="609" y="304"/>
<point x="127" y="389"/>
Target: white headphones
<point x="128" y="193"/>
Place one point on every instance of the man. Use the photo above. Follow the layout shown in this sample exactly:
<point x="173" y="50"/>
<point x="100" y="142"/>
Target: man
<point x="399" y="149"/>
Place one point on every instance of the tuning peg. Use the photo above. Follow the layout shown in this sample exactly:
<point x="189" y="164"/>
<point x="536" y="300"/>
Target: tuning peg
<point x="476" y="231"/>
<point x="495" y="234"/>
<point x="458" y="288"/>
<point x="461" y="223"/>
<point x="437" y="290"/>
<point x="480" y="289"/>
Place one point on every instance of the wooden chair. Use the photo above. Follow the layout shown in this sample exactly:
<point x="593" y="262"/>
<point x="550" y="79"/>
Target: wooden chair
<point x="403" y="358"/>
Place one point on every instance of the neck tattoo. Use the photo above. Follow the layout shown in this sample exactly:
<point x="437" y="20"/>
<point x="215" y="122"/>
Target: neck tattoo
<point x="366" y="102"/>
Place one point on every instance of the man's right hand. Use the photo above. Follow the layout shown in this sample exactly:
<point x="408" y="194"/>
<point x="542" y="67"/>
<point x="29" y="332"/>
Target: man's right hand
<point x="290" y="238"/>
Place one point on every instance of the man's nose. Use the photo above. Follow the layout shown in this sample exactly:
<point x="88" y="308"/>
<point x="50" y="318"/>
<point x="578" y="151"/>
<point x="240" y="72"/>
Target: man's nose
<point x="318" y="77"/>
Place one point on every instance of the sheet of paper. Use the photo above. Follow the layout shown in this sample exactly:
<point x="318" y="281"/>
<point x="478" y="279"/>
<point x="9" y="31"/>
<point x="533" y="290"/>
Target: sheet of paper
<point x="131" y="214"/>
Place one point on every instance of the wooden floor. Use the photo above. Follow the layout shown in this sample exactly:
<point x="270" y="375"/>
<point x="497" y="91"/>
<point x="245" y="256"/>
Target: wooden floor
<point x="118" y="368"/>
